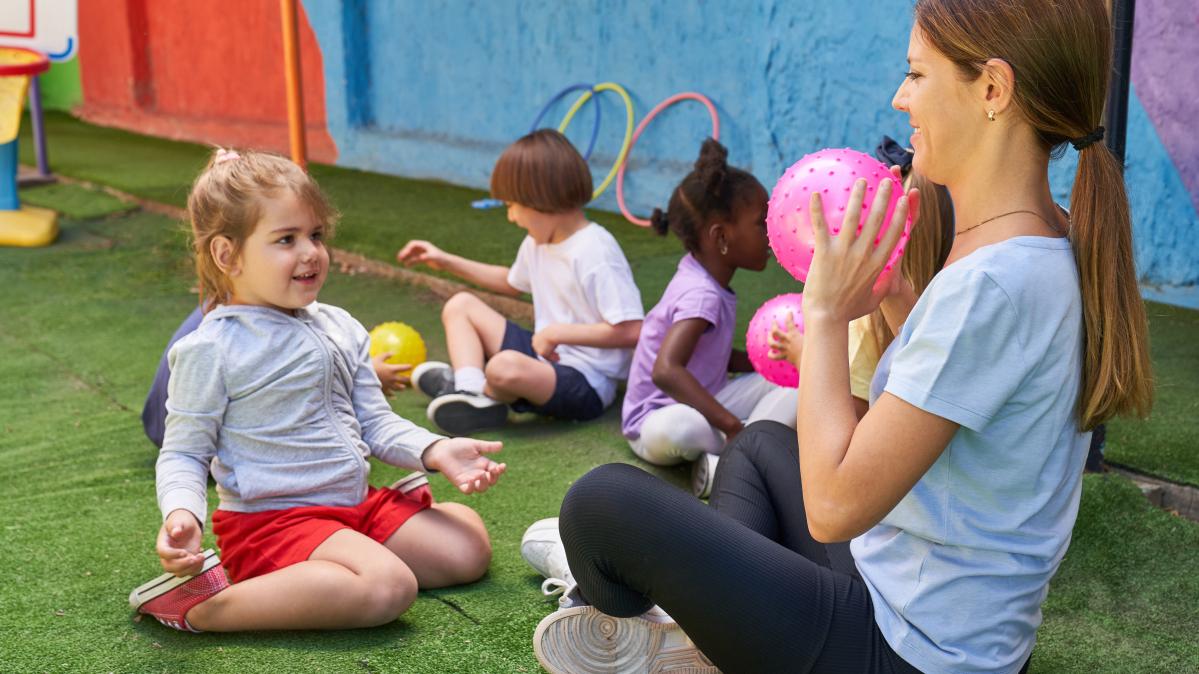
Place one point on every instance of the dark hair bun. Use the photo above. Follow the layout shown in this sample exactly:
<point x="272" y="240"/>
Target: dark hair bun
<point x="712" y="166"/>
<point x="659" y="223"/>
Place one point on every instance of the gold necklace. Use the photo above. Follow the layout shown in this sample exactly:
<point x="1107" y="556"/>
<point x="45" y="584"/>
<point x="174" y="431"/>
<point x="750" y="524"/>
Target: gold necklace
<point x="1002" y="215"/>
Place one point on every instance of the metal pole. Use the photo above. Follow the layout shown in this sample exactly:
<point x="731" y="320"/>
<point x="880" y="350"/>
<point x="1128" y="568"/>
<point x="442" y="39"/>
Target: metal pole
<point x="295" y="94"/>
<point x="1116" y="126"/>
<point x="39" y="130"/>
<point x="1117" y="95"/>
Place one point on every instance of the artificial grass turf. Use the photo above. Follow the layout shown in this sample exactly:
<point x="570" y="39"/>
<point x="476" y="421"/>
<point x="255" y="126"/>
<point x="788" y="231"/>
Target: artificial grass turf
<point x="75" y="201"/>
<point x="82" y="327"/>
<point x="1167" y="444"/>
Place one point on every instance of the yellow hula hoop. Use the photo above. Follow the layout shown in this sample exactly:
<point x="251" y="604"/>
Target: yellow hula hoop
<point x="628" y="130"/>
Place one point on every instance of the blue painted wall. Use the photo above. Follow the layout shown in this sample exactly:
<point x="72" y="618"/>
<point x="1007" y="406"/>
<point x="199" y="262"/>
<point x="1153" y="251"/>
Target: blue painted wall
<point x="437" y="90"/>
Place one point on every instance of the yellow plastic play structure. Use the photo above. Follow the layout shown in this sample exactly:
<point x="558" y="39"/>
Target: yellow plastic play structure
<point x="19" y="225"/>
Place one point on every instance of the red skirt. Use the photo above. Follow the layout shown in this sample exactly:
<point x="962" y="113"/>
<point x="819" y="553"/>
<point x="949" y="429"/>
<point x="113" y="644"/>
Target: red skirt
<point x="254" y="544"/>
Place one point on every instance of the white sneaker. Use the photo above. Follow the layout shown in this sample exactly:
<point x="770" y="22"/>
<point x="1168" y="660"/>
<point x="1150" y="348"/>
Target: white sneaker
<point x="542" y="548"/>
<point x="583" y="639"/>
<point x="703" y="474"/>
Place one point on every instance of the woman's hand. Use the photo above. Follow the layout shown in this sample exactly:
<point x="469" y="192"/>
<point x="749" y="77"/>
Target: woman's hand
<point x="785" y="342"/>
<point x="392" y="377"/>
<point x="421" y="252"/>
<point x="843" y="281"/>
<point x="464" y="463"/>
<point x="178" y="544"/>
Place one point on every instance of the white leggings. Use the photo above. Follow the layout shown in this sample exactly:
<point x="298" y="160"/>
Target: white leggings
<point x="678" y="432"/>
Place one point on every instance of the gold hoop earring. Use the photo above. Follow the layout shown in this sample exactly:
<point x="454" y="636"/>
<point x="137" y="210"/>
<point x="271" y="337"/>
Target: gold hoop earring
<point x="991" y="115"/>
<point x="724" y="249"/>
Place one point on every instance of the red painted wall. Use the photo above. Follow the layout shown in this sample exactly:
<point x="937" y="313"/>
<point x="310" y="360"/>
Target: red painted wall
<point x="208" y="71"/>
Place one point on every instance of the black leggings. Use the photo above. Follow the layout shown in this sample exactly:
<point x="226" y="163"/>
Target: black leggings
<point x="743" y="578"/>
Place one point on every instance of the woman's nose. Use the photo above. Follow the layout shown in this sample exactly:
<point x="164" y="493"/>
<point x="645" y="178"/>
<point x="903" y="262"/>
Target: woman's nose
<point x="900" y="100"/>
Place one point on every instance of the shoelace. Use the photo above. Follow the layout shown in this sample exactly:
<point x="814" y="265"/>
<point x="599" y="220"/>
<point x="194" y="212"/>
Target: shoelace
<point x="552" y="587"/>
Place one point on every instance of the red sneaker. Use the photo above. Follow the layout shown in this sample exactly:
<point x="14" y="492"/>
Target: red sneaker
<point x="168" y="597"/>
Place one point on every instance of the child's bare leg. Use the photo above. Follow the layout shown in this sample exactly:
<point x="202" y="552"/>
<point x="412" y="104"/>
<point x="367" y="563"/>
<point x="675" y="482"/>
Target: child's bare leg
<point x="473" y="330"/>
<point x="349" y="581"/>
<point x="444" y="545"/>
<point x="511" y="375"/>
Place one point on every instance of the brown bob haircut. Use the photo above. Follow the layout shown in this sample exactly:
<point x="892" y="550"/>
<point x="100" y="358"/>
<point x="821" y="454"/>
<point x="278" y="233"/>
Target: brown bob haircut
<point x="542" y="171"/>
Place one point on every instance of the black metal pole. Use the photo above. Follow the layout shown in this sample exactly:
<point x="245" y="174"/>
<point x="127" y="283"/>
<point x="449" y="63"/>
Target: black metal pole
<point x="1117" y="95"/>
<point x="1116" y="125"/>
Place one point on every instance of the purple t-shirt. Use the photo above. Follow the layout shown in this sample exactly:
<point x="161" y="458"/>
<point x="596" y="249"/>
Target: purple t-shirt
<point x="692" y="293"/>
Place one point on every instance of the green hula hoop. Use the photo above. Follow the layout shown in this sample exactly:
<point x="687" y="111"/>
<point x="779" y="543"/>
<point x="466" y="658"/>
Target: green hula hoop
<point x="628" y="130"/>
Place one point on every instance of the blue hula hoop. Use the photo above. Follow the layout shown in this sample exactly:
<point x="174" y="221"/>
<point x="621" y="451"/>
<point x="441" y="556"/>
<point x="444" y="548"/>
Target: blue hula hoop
<point x="563" y="94"/>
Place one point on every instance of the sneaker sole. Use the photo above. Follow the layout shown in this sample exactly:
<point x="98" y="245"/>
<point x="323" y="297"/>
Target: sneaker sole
<point x="409" y="482"/>
<point x="583" y="639"/>
<point x="459" y="415"/>
<point x="420" y="382"/>
<point x="168" y="581"/>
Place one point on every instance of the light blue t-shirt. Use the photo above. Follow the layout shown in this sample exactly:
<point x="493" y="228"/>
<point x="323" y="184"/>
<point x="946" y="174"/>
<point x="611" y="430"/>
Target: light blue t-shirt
<point x="958" y="569"/>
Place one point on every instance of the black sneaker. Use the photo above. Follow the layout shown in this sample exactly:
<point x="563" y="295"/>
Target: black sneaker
<point x="433" y="378"/>
<point x="463" y="413"/>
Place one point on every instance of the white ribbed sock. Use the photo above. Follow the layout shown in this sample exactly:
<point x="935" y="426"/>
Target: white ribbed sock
<point x="469" y="379"/>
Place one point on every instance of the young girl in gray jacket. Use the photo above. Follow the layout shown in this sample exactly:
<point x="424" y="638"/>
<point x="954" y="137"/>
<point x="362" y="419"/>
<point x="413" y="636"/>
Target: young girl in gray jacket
<point x="274" y="393"/>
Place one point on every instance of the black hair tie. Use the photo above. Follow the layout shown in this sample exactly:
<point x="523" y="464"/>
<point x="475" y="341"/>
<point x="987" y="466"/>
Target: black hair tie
<point x="892" y="153"/>
<point x="1087" y="140"/>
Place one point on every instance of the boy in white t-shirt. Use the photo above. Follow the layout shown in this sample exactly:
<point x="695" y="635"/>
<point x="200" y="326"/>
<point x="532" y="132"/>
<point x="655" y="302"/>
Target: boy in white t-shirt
<point x="587" y="310"/>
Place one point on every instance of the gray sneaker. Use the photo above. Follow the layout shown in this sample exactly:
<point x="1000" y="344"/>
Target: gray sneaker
<point x="433" y="378"/>
<point x="463" y="413"/>
<point x="580" y="638"/>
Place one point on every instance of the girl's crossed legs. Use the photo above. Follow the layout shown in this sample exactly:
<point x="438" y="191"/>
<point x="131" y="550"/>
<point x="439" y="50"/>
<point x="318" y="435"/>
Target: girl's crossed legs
<point x="678" y="432"/>
<point x="350" y="580"/>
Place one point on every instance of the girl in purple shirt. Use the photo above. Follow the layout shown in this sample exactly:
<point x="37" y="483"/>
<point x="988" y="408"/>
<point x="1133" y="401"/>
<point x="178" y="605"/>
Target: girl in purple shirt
<point x="681" y="404"/>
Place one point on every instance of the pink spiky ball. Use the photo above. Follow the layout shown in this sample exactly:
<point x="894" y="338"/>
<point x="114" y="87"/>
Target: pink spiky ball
<point x="832" y="173"/>
<point x="757" y="338"/>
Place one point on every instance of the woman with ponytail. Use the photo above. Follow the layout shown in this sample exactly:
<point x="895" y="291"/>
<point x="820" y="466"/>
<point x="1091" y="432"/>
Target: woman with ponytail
<point x="959" y="488"/>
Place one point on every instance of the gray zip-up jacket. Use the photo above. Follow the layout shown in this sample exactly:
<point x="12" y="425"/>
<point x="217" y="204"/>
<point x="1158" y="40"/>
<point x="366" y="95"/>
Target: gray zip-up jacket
<point x="285" y="409"/>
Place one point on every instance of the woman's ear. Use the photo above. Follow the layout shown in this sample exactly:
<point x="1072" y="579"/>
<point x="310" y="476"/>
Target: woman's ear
<point x="997" y="85"/>
<point x="221" y="249"/>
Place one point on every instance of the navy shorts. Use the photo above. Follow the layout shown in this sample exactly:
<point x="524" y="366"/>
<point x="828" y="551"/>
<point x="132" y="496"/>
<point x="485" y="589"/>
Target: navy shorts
<point x="573" y="397"/>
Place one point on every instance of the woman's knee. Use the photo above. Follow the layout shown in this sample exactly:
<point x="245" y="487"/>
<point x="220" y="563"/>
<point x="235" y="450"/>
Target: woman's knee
<point x="608" y="495"/>
<point x="765" y="436"/>
<point x="763" y="447"/>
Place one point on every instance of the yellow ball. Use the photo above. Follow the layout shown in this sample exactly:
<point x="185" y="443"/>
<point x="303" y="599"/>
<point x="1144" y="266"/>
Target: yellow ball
<point x="401" y="340"/>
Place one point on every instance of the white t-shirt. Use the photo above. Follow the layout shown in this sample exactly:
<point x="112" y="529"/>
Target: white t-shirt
<point x="584" y="279"/>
